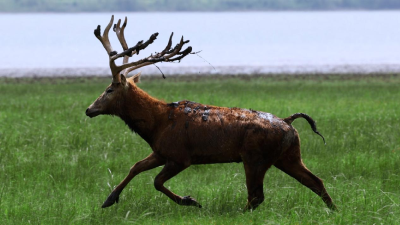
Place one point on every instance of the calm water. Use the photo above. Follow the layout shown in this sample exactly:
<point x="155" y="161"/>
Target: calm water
<point x="285" y="40"/>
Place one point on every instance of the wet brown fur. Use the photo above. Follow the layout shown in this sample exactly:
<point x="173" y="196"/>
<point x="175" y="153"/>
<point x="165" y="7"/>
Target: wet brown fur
<point x="186" y="133"/>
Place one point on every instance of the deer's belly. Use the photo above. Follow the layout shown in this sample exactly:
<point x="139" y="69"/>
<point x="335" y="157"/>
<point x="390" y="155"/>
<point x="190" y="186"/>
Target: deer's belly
<point x="224" y="157"/>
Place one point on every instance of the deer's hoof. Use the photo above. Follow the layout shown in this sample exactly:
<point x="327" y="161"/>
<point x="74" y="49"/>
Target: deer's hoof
<point x="251" y="206"/>
<point x="187" y="200"/>
<point x="112" y="198"/>
<point x="332" y="207"/>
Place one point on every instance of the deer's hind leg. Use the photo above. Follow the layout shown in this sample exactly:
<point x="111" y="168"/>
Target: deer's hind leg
<point x="291" y="164"/>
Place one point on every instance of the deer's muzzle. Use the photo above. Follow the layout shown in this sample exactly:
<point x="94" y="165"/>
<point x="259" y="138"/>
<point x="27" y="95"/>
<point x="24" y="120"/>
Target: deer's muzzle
<point x="90" y="112"/>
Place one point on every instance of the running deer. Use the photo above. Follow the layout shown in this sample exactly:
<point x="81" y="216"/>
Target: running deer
<point x="186" y="133"/>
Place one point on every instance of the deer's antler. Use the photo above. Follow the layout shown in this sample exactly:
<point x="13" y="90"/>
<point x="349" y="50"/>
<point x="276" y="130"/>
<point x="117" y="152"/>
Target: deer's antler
<point x="121" y="37"/>
<point x="126" y="67"/>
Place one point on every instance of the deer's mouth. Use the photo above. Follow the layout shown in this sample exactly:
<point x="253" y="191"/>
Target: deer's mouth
<point x="90" y="112"/>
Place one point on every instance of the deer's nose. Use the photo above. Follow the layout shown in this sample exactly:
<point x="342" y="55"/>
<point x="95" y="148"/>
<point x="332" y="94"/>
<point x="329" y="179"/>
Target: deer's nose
<point x="88" y="113"/>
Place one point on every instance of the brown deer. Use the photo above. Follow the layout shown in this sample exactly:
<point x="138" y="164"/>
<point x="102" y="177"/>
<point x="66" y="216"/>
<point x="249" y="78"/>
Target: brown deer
<point x="186" y="133"/>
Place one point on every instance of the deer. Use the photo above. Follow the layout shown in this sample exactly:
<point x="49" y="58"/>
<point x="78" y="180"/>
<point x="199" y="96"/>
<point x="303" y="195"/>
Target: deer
<point x="186" y="133"/>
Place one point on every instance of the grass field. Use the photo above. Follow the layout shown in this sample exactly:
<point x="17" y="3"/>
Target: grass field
<point x="57" y="166"/>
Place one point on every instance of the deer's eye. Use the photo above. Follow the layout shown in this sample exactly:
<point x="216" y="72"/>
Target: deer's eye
<point x="109" y="90"/>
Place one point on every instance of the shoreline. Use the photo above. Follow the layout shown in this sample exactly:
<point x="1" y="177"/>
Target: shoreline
<point x="384" y="77"/>
<point x="205" y="71"/>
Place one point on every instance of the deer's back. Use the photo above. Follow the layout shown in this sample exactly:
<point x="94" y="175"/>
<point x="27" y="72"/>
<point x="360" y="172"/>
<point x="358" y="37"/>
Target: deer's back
<point x="211" y="134"/>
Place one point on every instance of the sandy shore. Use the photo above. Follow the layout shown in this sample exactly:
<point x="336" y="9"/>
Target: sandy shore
<point x="207" y="70"/>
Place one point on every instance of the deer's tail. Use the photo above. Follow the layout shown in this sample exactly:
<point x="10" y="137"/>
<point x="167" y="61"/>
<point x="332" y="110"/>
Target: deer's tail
<point x="291" y="118"/>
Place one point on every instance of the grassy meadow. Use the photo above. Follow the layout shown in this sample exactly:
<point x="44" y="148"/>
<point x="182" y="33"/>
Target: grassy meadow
<point x="57" y="166"/>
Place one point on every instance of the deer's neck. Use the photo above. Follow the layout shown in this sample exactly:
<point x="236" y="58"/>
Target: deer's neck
<point x="143" y="113"/>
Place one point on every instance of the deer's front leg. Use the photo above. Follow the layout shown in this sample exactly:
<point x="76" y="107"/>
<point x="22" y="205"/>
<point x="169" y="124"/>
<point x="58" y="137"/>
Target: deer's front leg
<point x="170" y="170"/>
<point x="152" y="161"/>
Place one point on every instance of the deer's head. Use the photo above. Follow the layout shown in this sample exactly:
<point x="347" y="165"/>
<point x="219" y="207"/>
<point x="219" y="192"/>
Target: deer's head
<point x="113" y="97"/>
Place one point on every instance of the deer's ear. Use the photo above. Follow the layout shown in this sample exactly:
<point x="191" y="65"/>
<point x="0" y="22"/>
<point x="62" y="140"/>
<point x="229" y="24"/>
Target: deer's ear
<point x="135" y="78"/>
<point x="123" y="79"/>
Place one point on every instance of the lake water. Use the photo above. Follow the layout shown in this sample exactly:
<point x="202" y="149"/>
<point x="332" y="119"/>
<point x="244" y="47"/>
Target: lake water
<point x="232" y="42"/>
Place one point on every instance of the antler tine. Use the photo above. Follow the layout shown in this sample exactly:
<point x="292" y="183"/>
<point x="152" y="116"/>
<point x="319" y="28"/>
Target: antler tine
<point x="119" y="31"/>
<point x="104" y="39"/>
<point x="147" y="43"/>
<point x="168" y="47"/>
<point x="159" y="57"/>
<point x="177" y="48"/>
<point x="131" y="51"/>
<point x="106" y="44"/>
<point x="156" y="58"/>
<point x="182" y="54"/>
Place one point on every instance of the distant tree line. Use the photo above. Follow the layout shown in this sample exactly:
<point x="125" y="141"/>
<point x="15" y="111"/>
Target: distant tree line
<point x="191" y="5"/>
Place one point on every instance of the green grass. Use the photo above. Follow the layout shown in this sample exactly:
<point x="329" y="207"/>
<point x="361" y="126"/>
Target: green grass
<point x="57" y="166"/>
